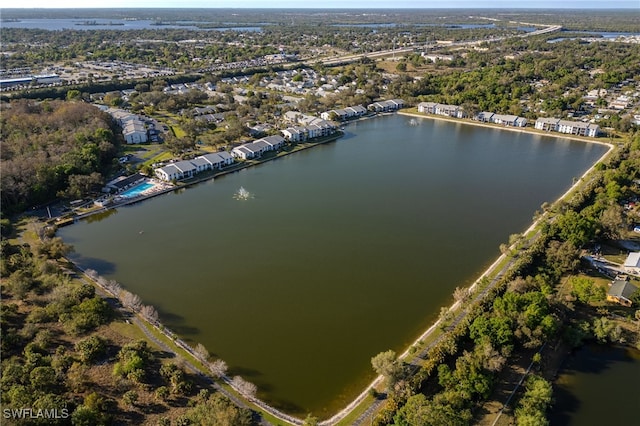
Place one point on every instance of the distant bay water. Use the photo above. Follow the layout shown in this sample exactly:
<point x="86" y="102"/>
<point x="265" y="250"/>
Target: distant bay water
<point x="58" y="24"/>
<point x="341" y="252"/>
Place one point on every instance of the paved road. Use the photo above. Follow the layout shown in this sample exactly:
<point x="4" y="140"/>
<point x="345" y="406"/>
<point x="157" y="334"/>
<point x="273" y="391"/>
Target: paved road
<point x="356" y="57"/>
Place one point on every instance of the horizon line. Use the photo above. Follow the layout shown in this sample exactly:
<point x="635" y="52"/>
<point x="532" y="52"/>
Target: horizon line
<point x="326" y="8"/>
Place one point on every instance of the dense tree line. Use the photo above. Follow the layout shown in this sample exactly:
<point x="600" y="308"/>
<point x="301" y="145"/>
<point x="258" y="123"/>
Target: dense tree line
<point x="53" y="149"/>
<point x="87" y="88"/>
<point x="549" y="77"/>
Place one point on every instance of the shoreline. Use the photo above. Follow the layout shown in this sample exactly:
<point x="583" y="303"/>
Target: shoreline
<point x="206" y="177"/>
<point x="528" y="130"/>
<point x="490" y="269"/>
<point x="349" y="408"/>
<point x="533" y="225"/>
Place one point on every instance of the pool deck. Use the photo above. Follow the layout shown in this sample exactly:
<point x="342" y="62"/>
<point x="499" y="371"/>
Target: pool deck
<point x="156" y="187"/>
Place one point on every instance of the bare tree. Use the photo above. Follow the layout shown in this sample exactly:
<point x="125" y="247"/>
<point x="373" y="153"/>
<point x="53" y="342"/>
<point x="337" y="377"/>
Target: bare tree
<point x="446" y="314"/>
<point x="202" y="352"/>
<point x="114" y="286"/>
<point x="102" y="281"/>
<point x="219" y="368"/>
<point x="519" y="285"/>
<point x="131" y="300"/>
<point x="243" y="386"/>
<point x="461" y="294"/>
<point x="92" y="273"/>
<point x="491" y="359"/>
<point x="149" y="312"/>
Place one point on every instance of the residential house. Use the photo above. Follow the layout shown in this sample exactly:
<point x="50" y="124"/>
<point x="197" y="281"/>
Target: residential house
<point x="176" y="171"/>
<point x="509" y="120"/>
<point x="242" y="152"/>
<point x="620" y="292"/>
<point x="621" y="102"/>
<point x="397" y="104"/>
<point x="211" y="118"/>
<point x="314" y="131"/>
<point x="485" y="116"/>
<point x="203" y="110"/>
<point x="441" y="109"/>
<point x="427" y="107"/>
<point x="435" y="58"/>
<point x="134" y="132"/>
<point x="339" y="114"/>
<point x="449" y="110"/>
<point x="356" y="111"/>
<point x="295" y="134"/>
<point x="632" y="263"/>
<point x="258" y="129"/>
<point x="592" y="96"/>
<point x="215" y="160"/>
<point x="133" y="128"/>
<point x="578" y="128"/>
<point x="293" y="116"/>
<point x="345" y="114"/>
<point x="201" y="164"/>
<point x="386" y="106"/>
<point x="251" y="149"/>
<point x="275" y="142"/>
<point x="319" y="128"/>
<point x="547" y="124"/>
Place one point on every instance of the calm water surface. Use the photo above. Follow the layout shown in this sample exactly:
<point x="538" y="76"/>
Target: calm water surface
<point x="58" y="24"/>
<point x="345" y="250"/>
<point x="594" y="378"/>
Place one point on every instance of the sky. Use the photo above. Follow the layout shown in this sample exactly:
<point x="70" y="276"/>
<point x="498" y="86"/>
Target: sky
<point x="330" y="4"/>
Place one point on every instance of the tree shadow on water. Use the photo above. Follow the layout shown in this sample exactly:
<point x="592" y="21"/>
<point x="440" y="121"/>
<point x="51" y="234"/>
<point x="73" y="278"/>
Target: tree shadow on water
<point x="565" y="404"/>
<point x="247" y="373"/>
<point x="102" y="266"/>
<point x="590" y="359"/>
<point x="177" y="323"/>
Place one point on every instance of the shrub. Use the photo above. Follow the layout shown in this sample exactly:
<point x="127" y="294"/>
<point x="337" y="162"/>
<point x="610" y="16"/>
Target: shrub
<point x="91" y="349"/>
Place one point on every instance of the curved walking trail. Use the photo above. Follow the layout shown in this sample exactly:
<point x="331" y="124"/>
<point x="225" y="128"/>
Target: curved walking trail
<point x="143" y="326"/>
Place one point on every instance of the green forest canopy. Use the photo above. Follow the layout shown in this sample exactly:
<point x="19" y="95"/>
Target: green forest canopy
<point x="53" y="148"/>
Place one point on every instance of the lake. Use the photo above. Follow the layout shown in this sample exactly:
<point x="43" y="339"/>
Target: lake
<point x="342" y="251"/>
<point x="596" y="386"/>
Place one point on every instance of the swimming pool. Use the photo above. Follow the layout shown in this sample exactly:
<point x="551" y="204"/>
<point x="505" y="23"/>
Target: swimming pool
<point x="136" y="190"/>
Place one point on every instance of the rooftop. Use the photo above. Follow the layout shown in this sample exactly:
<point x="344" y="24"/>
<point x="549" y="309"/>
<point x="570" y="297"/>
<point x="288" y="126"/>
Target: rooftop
<point x="622" y="289"/>
<point x="633" y="260"/>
